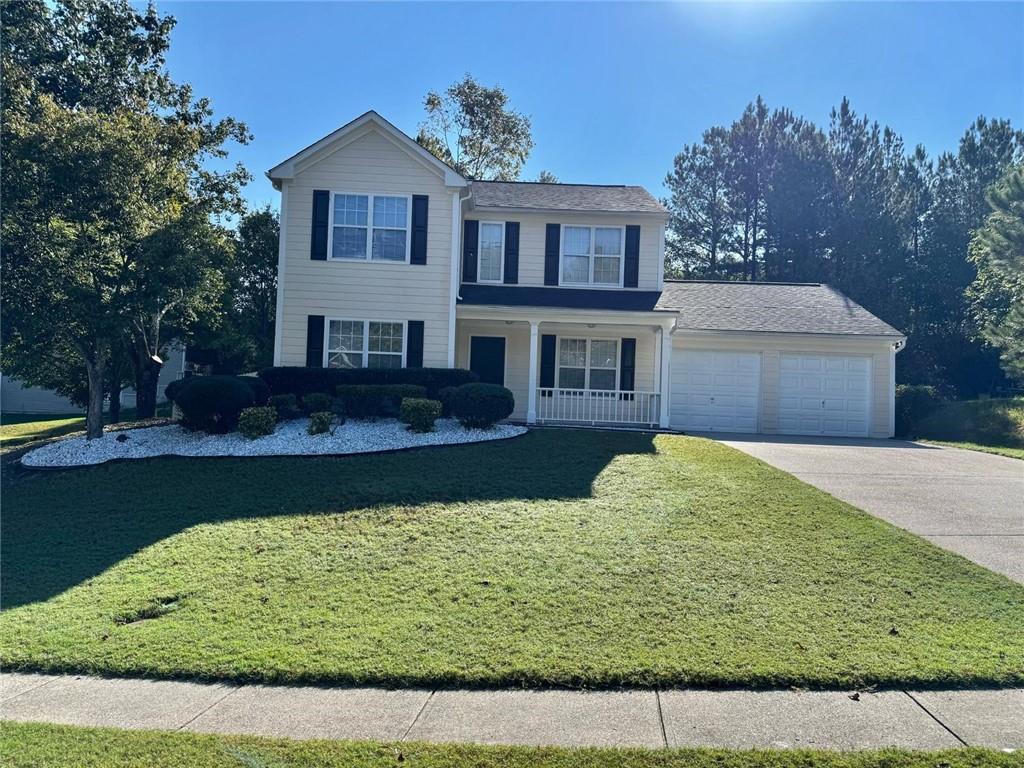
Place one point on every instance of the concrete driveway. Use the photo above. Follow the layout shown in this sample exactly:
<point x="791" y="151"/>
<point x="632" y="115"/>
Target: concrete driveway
<point x="969" y="502"/>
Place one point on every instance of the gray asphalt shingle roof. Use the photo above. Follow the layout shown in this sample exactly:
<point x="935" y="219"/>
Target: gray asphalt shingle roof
<point x="526" y="195"/>
<point x="771" y="307"/>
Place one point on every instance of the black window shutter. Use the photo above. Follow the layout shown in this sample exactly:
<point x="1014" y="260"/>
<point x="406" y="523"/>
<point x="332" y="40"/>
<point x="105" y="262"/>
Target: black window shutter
<point x="631" y="276"/>
<point x="627" y="365"/>
<point x="321" y="217"/>
<point x="547" y="360"/>
<point x="470" y="237"/>
<point x="511" y="276"/>
<point x="414" y="345"/>
<point x="418" y="251"/>
<point x="315" y="341"/>
<point x="552" y="246"/>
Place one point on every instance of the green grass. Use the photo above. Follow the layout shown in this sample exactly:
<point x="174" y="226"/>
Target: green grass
<point x="22" y="428"/>
<point x="579" y="558"/>
<point x="60" y="746"/>
<point x="993" y="426"/>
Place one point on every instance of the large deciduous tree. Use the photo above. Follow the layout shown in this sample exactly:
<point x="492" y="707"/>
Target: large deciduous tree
<point x="473" y="129"/>
<point x="107" y="201"/>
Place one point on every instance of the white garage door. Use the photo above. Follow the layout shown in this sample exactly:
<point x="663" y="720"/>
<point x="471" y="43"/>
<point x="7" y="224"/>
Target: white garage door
<point x="715" y="391"/>
<point x="824" y="395"/>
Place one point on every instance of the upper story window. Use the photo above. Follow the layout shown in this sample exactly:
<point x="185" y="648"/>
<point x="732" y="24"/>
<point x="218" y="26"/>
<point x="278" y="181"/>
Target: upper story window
<point x="491" y="252"/>
<point x="364" y="344"/>
<point x="370" y="226"/>
<point x="592" y="255"/>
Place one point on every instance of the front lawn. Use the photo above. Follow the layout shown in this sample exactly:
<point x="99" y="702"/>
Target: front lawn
<point x="19" y="429"/>
<point x="60" y="746"/>
<point x="563" y="557"/>
<point x="993" y="426"/>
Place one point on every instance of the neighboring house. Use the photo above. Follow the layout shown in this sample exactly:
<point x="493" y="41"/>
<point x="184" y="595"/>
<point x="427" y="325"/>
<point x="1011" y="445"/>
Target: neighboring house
<point x="389" y="257"/>
<point x="15" y="397"/>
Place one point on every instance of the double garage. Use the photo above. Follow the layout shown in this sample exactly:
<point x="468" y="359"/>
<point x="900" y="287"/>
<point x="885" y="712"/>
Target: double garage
<point x="778" y="384"/>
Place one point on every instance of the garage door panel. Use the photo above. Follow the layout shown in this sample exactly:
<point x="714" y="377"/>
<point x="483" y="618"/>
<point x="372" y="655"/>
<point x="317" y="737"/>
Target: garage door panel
<point x="830" y="395"/>
<point x="715" y="391"/>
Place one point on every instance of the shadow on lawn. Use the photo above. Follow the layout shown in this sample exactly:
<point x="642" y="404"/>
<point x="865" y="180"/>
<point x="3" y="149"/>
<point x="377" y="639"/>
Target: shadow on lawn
<point x="62" y="528"/>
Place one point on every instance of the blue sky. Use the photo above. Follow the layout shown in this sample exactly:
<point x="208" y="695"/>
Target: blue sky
<point x="614" y="90"/>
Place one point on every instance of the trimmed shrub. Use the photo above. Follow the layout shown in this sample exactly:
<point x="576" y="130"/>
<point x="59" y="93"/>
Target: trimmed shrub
<point x="320" y="423"/>
<point x="260" y="390"/>
<point x="172" y="389"/>
<point x="286" y="406"/>
<point x="298" y="381"/>
<point x="913" y="403"/>
<point x="420" y="413"/>
<point x="481" y="406"/>
<point x="371" y="401"/>
<point x="213" y="403"/>
<point x="446" y="395"/>
<point x="316" y="402"/>
<point x="257" y="421"/>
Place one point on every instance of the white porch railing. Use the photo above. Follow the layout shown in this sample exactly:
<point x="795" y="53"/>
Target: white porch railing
<point x="592" y="406"/>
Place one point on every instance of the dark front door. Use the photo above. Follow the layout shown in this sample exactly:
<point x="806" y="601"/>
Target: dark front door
<point x="487" y="358"/>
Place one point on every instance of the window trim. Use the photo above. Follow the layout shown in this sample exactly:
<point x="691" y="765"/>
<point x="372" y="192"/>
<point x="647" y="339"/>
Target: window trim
<point x="590" y="278"/>
<point x="479" y="252"/>
<point x="586" y="368"/>
<point x="369" y="228"/>
<point x="366" y="335"/>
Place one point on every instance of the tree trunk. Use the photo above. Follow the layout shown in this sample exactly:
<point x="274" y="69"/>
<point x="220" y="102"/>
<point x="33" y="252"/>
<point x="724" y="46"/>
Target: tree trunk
<point x="115" y="400"/>
<point x="94" y="413"/>
<point x="147" y="376"/>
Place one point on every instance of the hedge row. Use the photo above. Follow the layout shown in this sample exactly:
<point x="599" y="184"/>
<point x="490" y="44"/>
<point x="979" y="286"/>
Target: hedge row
<point x="299" y="381"/>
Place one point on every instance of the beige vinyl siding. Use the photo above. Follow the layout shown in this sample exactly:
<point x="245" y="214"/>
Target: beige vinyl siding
<point x="533" y="229"/>
<point x="771" y="348"/>
<point x="517" y="350"/>
<point x="369" y="163"/>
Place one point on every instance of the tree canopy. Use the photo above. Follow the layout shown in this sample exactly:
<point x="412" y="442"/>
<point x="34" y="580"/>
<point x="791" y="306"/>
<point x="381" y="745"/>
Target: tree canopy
<point x="473" y="129"/>
<point x="773" y="196"/>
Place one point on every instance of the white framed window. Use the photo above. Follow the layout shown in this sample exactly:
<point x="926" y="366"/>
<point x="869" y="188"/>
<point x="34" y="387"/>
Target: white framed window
<point x="592" y="255"/>
<point x="364" y="344"/>
<point x="491" y="252"/>
<point x="370" y="227"/>
<point x="587" y="364"/>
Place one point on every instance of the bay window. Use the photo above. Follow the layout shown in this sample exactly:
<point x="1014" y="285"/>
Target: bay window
<point x="364" y="344"/>
<point x="587" y="364"/>
<point x="374" y="227"/>
<point x="592" y="255"/>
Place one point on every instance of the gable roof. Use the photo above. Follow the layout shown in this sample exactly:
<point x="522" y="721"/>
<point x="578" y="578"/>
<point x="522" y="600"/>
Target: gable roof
<point x="769" y="307"/>
<point x="286" y="168"/>
<point x="541" y="196"/>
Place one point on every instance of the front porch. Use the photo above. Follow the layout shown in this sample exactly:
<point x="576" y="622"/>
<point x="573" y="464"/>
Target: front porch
<point x="571" y="367"/>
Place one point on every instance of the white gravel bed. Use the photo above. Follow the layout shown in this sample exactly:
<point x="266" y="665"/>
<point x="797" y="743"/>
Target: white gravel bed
<point x="289" y="439"/>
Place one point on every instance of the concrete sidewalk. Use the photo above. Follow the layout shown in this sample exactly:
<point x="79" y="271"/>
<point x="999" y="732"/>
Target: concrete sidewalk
<point x="674" y="718"/>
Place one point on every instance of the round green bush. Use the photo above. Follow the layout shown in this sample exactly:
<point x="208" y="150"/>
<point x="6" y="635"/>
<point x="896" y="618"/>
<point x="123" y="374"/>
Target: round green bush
<point x="446" y="395"/>
<point x="286" y="407"/>
<point x="213" y="403"/>
<point x="257" y="421"/>
<point x="260" y="390"/>
<point x="481" y="406"/>
<point x="320" y="423"/>
<point x="420" y="413"/>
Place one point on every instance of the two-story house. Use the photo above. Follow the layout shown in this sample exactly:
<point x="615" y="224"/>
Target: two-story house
<point x="388" y="257"/>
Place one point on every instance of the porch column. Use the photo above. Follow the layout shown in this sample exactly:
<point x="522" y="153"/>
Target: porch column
<point x="531" y="396"/>
<point x="666" y="365"/>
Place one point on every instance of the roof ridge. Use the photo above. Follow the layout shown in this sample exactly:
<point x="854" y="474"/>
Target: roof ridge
<point x="556" y="183"/>
<point x="741" y="282"/>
